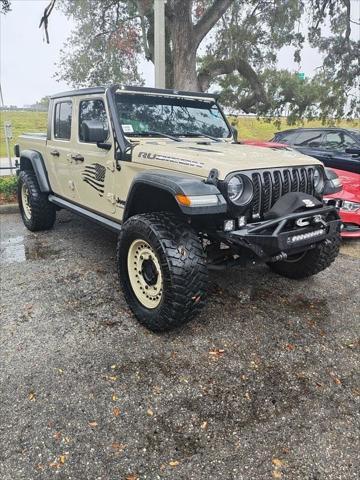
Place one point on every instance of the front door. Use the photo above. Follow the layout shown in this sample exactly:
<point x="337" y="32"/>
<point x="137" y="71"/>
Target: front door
<point x="93" y="168"/>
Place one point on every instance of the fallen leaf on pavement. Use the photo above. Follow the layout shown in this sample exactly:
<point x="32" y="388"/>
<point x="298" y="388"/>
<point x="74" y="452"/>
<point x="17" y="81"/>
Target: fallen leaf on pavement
<point x="32" y="396"/>
<point x="204" y="425"/>
<point x="216" y="352"/>
<point x="150" y="412"/>
<point x="335" y="378"/>
<point x="114" y="397"/>
<point x="116" y="411"/>
<point x="93" y="424"/>
<point x="174" y="463"/>
<point x="118" y="447"/>
<point x="277" y="462"/>
<point x="132" y="477"/>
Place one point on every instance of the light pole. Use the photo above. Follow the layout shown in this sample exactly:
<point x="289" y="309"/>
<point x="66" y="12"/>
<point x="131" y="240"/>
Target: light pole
<point x="159" y="43"/>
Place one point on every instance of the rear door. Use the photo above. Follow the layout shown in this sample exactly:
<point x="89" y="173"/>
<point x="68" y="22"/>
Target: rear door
<point x="59" y="147"/>
<point x="93" y="168"/>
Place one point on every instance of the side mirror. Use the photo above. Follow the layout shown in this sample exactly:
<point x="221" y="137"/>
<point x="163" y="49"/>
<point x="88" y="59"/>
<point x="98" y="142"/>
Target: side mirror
<point x="235" y="134"/>
<point x="93" y="131"/>
<point x="353" y="150"/>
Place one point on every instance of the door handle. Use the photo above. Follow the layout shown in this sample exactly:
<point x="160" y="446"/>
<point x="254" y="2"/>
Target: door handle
<point x="77" y="157"/>
<point x="55" y="153"/>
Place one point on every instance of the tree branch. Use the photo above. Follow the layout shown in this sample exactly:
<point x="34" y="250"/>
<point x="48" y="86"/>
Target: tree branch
<point x="223" y="67"/>
<point x="210" y="18"/>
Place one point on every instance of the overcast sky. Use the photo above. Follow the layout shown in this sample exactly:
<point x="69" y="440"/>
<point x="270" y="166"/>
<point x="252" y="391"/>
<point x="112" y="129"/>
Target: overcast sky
<point x="28" y="62"/>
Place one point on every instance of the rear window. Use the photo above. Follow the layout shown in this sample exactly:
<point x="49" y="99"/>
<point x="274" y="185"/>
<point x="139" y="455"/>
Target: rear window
<point x="62" y="120"/>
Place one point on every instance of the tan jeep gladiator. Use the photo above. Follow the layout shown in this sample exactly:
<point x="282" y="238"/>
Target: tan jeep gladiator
<point x="164" y="169"/>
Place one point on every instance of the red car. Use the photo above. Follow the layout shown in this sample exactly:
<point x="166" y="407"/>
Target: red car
<point x="349" y="202"/>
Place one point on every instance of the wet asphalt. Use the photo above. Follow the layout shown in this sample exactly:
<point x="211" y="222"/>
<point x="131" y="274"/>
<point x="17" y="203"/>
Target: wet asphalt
<point x="264" y="384"/>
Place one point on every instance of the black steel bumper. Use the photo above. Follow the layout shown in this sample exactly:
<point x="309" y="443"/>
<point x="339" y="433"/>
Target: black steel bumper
<point x="286" y="235"/>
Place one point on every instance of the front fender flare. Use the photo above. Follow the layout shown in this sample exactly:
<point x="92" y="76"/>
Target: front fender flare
<point x="176" y="184"/>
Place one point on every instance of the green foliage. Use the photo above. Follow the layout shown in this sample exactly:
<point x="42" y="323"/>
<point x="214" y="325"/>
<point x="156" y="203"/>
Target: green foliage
<point x="8" y="186"/>
<point x="104" y="46"/>
<point x="240" y="57"/>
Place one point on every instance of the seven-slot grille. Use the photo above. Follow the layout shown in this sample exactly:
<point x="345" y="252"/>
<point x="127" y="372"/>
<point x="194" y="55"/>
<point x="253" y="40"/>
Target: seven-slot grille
<point x="270" y="185"/>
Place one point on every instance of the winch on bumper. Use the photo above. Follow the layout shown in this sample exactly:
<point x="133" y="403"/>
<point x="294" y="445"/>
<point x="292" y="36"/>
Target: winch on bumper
<point x="277" y="238"/>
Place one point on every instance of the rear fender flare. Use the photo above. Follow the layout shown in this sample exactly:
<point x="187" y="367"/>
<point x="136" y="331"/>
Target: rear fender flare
<point x="35" y="159"/>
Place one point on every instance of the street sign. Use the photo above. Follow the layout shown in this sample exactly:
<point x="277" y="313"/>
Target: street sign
<point x="8" y="130"/>
<point x="300" y="75"/>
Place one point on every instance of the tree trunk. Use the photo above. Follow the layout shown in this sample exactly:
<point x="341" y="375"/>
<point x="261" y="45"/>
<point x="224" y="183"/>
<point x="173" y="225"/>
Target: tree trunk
<point x="183" y="47"/>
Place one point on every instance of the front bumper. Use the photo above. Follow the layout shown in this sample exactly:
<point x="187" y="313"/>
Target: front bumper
<point x="286" y="235"/>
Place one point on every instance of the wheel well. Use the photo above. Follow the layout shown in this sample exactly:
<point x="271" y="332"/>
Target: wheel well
<point x="147" y="198"/>
<point x="25" y="164"/>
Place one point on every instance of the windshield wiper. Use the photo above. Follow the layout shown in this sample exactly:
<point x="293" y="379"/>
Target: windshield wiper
<point x="160" y="134"/>
<point x="199" y="134"/>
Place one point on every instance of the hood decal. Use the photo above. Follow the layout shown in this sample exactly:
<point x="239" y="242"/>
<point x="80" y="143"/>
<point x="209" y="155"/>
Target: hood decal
<point x="176" y="160"/>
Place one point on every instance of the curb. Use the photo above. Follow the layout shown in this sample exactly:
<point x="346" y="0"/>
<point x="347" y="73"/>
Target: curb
<point x="9" y="208"/>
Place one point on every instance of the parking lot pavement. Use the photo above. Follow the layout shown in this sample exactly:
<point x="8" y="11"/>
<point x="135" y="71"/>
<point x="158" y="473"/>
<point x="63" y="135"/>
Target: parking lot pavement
<point x="264" y="384"/>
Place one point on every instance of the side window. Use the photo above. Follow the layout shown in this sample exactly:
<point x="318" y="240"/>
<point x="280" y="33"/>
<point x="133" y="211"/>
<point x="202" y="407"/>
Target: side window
<point x="62" y="120"/>
<point x="309" y="138"/>
<point x="92" y="111"/>
<point x="338" y="141"/>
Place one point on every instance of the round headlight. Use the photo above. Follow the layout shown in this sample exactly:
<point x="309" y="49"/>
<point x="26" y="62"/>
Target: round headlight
<point x="239" y="190"/>
<point x="235" y="188"/>
<point x="318" y="180"/>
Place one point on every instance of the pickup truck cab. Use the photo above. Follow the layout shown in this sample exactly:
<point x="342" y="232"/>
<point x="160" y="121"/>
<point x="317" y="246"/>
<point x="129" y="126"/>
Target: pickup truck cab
<point x="163" y="169"/>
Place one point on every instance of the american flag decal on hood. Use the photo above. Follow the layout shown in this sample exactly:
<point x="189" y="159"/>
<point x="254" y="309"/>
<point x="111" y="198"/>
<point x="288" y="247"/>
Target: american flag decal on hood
<point x="94" y="175"/>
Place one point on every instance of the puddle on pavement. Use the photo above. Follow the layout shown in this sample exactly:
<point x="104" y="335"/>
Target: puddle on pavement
<point x="17" y="250"/>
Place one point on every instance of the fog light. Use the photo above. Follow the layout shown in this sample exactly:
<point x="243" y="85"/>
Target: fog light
<point x="229" y="225"/>
<point x="242" y="221"/>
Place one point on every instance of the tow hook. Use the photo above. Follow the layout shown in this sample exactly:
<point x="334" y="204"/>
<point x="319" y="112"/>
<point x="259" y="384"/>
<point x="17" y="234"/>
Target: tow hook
<point x="318" y="219"/>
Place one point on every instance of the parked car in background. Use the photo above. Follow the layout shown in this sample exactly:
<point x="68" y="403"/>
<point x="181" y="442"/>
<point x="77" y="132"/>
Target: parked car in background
<point x="336" y="147"/>
<point x="349" y="203"/>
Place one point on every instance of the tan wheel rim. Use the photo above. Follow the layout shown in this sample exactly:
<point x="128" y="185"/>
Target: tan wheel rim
<point x="25" y="200"/>
<point x="145" y="274"/>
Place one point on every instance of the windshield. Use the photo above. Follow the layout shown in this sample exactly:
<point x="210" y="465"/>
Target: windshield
<point x="142" y="115"/>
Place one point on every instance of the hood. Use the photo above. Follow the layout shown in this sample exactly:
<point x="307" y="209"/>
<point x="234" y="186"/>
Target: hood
<point x="197" y="158"/>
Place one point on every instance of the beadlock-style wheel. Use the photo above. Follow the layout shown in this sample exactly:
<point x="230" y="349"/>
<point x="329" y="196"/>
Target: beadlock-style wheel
<point x="36" y="210"/>
<point x="162" y="269"/>
<point x="25" y="197"/>
<point x="145" y="274"/>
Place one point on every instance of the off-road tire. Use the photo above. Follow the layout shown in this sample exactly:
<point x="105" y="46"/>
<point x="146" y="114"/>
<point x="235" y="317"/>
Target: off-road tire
<point x="312" y="262"/>
<point x="43" y="213"/>
<point x="182" y="263"/>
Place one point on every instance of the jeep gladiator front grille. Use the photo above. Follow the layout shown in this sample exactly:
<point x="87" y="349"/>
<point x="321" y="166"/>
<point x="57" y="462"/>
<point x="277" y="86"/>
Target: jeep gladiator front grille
<point x="270" y="185"/>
